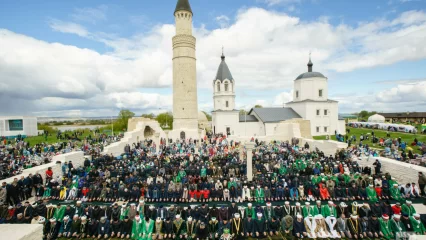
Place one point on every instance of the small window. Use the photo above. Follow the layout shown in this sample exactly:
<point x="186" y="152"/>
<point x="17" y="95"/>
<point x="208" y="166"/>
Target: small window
<point x="227" y="105"/>
<point x="320" y="92"/>
<point x="318" y="112"/>
<point x="325" y="129"/>
<point x="226" y="87"/>
<point x="325" y="112"/>
<point x="297" y="94"/>
<point x="317" y="129"/>
<point x="218" y="87"/>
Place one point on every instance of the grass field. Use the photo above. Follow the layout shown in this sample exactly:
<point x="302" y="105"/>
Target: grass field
<point x="406" y="137"/>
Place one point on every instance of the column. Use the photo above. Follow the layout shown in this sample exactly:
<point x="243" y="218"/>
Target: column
<point x="249" y="147"/>
<point x="157" y="142"/>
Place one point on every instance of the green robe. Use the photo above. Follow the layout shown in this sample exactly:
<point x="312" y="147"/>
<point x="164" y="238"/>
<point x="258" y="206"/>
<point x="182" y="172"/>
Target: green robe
<point x="233" y="183"/>
<point x="326" y="211"/>
<point x="250" y="211"/>
<point x="371" y="193"/>
<point x="306" y="211"/>
<point x="397" y="227"/>
<point x="315" y="180"/>
<point x="47" y="193"/>
<point x="385" y="228"/>
<point x="203" y="172"/>
<point x="408" y="209"/>
<point x="396" y="194"/>
<point x="124" y="213"/>
<point x="283" y="170"/>
<point x="347" y="178"/>
<point x="417" y="225"/>
<point x="59" y="214"/>
<point x="137" y="230"/>
<point x="316" y="210"/>
<point x="260" y="195"/>
<point x="147" y="231"/>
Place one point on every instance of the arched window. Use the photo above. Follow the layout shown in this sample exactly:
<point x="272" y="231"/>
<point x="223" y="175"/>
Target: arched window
<point x="226" y="87"/>
<point x="218" y="86"/>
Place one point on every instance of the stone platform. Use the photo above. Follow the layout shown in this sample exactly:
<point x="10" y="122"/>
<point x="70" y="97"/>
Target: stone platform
<point x="21" y="231"/>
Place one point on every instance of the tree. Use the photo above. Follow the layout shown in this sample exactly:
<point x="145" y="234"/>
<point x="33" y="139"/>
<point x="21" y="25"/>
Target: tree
<point x="243" y="112"/>
<point x="165" y="120"/>
<point x="258" y="106"/>
<point x="123" y="118"/>
<point x="148" y="115"/>
<point x="208" y="116"/>
<point x="366" y="114"/>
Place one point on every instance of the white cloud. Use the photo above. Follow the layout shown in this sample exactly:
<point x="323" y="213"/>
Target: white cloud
<point x="276" y="2"/>
<point x="91" y="15"/>
<point x="283" y="98"/>
<point x="223" y="21"/>
<point x="270" y="58"/>
<point x="68" y="27"/>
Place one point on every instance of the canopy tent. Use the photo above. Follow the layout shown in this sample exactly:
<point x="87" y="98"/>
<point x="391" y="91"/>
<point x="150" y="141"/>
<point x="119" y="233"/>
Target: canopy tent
<point x="376" y="118"/>
<point x="384" y="126"/>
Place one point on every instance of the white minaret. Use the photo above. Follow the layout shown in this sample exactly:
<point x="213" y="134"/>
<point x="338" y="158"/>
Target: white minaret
<point x="185" y="105"/>
<point x="223" y="88"/>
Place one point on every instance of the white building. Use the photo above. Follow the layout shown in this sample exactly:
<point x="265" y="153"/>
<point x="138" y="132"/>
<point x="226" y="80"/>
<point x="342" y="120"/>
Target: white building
<point x="15" y="125"/>
<point x="310" y="103"/>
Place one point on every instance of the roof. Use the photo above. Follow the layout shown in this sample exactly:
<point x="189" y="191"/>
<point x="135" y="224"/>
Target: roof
<point x="404" y="115"/>
<point x="223" y="71"/>
<point x="274" y="114"/>
<point x="183" y="5"/>
<point x="310" y="75"/>
<point x="248" y="118"/>
<point x="310" y="100"/>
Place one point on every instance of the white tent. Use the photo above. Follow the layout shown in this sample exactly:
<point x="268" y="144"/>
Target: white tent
<point x="376" y="118"/>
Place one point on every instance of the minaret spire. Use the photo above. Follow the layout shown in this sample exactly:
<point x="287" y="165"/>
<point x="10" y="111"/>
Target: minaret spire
<point x="223" y="55"/>
<point x="310" y="64"/>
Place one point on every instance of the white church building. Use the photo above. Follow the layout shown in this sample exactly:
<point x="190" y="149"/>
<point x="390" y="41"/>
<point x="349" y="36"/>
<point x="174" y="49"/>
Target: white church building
<point x="310" y="103"/>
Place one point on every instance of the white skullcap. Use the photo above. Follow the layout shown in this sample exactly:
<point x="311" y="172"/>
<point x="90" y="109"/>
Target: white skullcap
<point x="397" y="216"/>
<point x="249" y="204"/>
<point x="66" y="217"/>
<point x="299" y="216"/>
<point x="268" y="204"/>
<point x="307" y="203"/>
<point x="286" y="202"/>
<point x="259" y="214"/>
<point x="297" y="204"/>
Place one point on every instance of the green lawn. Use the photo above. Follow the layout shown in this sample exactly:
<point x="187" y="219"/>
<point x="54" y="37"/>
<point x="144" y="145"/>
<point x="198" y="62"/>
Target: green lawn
<point x="406" y="137"/>
<point x="52" y="138"/>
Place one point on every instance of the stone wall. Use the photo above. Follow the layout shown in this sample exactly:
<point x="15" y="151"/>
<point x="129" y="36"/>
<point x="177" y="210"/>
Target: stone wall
<point x="77" y="159"/>
<point x="21" y="231"/>
<point x="403" y="172"/>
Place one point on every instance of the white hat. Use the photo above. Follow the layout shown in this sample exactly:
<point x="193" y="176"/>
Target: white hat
<point x="299" y="216"/>
<point x="370" y="177"/>
<point x="416" y="215"/>
<point x="286" y="202"/>
<point x="249" y="204"/>
<point x="343" y="204"/>
<point x="268" y="204"/>
<point x="259" y="214"/>
<point x="41" y="220"/>
<point x="318" y="201"/>
<point x="397" y="216"/>
<point x="408" y="202"/>
<point x="177" y="216"/>
<point x="52" y="220"/>
<point x="319" y="216"/>
<point x="79" y="202"/>
<point x="395" y="185"/>
<point x="307" y="203"/>
<point x="83" y="218"/>
<point x="189" y="219"/>
<point x="330" y="202"/>
<point x="66" y="217"/>
<point x="237" y="215"/>
<point x="298" y="204"/>
<point x="132" y="204"/>
<point x="354" y="216"/>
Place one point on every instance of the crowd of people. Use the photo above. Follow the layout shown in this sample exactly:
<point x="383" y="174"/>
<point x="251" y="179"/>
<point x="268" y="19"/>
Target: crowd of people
<point x="18" y="154"/>
<point x="200" y="190"/>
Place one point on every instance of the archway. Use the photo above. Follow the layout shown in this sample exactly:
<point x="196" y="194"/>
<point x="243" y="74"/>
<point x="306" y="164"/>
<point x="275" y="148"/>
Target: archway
<point x="182" y="135"/>
<point x="148" y="132"/>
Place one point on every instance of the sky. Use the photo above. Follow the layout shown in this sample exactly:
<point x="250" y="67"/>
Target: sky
<point x="92" y="58"/>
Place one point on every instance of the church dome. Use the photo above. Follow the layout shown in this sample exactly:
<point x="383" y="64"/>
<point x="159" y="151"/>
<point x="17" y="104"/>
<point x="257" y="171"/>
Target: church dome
<point x="309" y="73"/>
<point x="223" y="71"/>
<point x="202" y="117"/>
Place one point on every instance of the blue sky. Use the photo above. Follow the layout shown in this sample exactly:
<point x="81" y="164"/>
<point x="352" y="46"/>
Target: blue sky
<point x="96" y="57"/>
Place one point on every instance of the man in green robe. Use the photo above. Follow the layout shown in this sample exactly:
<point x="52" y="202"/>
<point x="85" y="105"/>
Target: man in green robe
<point x="124" y="211"/>
<point x="260" y="194"/>
<point x="179" y="227"/>
<point x="79" y="209"/>
<point x="231" y="183"/>
<point x="371" y="193"/>
<point x="147" y="228"/>
<point x="203" y="172"/>
<point x="385" y="227"/>
<point x="329" y="209"/>
<point x="408" y="208"/>
<point x="417" y="224"/>
<point x="137" y="228"/>
<point x="59" y="213"/>
<point x="395" y="193"/>
<point x="249" y="211"/>
<point x="307" y="210"/>
<point x="397" y="227"/>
